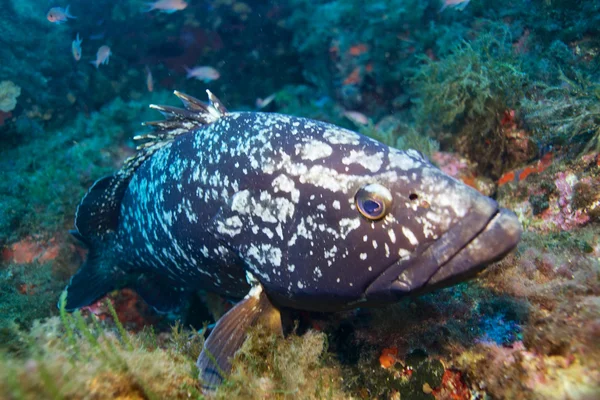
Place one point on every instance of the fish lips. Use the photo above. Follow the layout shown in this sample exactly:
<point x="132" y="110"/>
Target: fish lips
<point x="486" y="234"/>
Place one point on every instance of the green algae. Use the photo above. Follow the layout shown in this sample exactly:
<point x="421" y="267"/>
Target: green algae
<point x="46" y="174"/>
<point x="79" y="356"/>
<point x="567" y="112"/>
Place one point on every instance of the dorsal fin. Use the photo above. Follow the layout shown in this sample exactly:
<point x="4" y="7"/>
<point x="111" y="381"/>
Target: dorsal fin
<point x="98" y="211"/>
<point x="177" y="121"/>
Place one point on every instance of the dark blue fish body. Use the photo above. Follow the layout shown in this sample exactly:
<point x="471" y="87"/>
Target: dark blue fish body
<point x="320" y="217"/>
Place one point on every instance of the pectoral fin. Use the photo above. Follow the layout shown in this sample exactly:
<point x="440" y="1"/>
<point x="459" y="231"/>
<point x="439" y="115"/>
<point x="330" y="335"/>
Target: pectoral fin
<point x="229" y="334"/>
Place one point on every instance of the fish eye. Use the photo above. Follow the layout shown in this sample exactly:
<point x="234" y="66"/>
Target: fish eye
<point x="373" y="201"/>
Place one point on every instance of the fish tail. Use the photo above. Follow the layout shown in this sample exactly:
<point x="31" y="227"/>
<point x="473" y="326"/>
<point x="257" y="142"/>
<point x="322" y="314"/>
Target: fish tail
<point x="462" y="6"/>
<point x="96" y="222"/>
<point x="67" y="14"/>
<point x="95" y="278"/>
<point x="150" y="7"/>
<point x="95" y="63"/>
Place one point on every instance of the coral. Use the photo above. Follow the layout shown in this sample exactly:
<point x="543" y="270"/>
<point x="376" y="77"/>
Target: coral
<point x="9" y="92"/>
<point x="515" y="372"/>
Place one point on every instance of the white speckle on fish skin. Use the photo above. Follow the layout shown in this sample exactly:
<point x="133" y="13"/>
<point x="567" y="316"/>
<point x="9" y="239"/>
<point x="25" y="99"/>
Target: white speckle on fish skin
<point x="268" y="232"/>
<point x="292" y="240"/>
<point x="331" y="252"/>
<point x="336" y="205"/>
<point x="338" y="280"/>
<point x="363" y="256"/>
<point x="313" y="150"/>
<point x="300" y="285"/>
<point x="410" y="236"/>
<point x="392" y="235"/>
<point x="365" y="238"/>
<point x="341" y="136"/>
<point x="371" y="162"/>
<point x="347" y="225"/>
<point x="291" y="267"/>
<point x="285" y="184"/>
<point x="231" y="227"/>
<point x="374" y="244"/>
<point x="387" y="249"/>
<point x="403" y="253"/>
<point x="279" y="231"/>
<point x="401" y="160"/>
<point x="318" y="272"/>
<point x="240" y="202"/>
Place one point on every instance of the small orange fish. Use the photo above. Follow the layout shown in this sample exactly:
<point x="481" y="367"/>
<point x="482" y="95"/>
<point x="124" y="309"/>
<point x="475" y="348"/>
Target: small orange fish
<point x="520" y="174"/>
<point x="358" y="49"/>
<point x="102" y="56"/>
<point x="388" y="357"/>
<point x="507" y="177"/>
<point x="528" y="170"/>
<point x="59" y="15"/>
<point x="76" y="48"/>
<point x="353" y="78"/>
<point x="167" y="6"/>
<point x="149" y="80"/>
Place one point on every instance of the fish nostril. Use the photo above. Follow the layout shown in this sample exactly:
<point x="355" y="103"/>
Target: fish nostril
<point x="413" y="196"/>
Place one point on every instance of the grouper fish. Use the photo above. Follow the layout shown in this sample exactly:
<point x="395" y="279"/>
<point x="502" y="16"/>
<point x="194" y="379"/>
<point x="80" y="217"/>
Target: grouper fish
<point x="280" y="212"/>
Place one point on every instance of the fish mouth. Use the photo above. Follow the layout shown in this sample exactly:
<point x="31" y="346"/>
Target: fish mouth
<point x="485" y="235"/>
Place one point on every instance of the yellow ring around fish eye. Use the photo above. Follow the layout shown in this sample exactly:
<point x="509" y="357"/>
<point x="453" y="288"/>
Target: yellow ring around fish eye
<point x="373" y="201"/>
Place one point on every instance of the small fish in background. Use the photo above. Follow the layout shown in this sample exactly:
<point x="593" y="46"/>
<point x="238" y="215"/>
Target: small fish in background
<point x="76" y="48"/>
<point x="149" y="80"/>
<point x="457" y="4"/>
<point x="203" y="73"/>
<point x="102" y="56"/>
<point x="167" y="6"/>
<point x="59" y="15"/>
<point x="262" y="103"/>
<point x="357" y="117"/>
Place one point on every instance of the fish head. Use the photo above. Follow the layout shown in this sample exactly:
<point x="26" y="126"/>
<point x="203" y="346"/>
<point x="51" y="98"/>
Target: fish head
<point x="52" y="15"/>
<point x="387" y="223"/>
<point x="426" y="229"/>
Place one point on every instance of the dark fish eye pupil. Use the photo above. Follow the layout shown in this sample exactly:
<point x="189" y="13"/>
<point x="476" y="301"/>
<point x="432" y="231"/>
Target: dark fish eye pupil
<point x="371" y="207"/>
<point x="413" y="196"/>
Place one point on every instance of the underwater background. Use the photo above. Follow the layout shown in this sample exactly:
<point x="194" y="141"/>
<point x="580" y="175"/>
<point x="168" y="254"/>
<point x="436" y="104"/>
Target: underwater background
<point x="502" y="95"/>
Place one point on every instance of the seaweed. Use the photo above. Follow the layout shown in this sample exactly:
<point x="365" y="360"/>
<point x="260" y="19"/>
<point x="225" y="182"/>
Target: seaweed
<point x="468" y="93"/>
<point x="80" y="356"/>
<point x="566" y="113"/>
